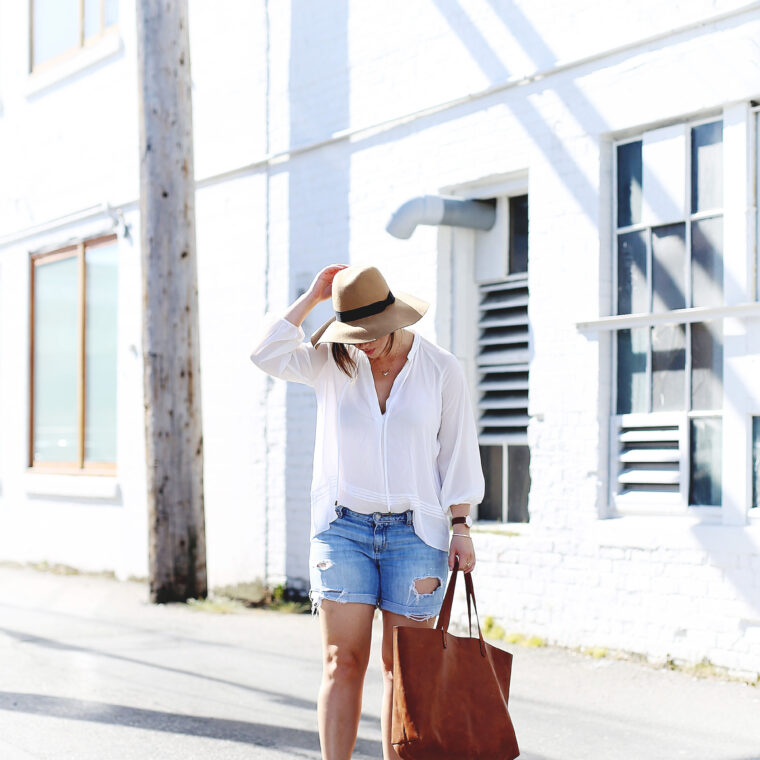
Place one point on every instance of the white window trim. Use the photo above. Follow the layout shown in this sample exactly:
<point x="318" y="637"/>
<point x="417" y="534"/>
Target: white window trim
<point x="677" y="316"/>
<point x="84" y="485"/>
<point x="109" y="45"/>
<point x="506" y="529"/>
<point x="675" y="532"/>
<point x="754" y="196"/>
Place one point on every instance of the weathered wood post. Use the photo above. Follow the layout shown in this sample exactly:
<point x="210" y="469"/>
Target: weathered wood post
<point x="173" y="424"/>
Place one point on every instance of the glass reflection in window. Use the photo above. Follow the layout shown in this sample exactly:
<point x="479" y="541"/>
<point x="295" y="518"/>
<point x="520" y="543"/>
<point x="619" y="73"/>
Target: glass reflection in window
<point x="632" y="350"/>
<point x="56" y="340"/>
<point x="629" y="184"/>
<point x="706" y="365"/>
<point x="668" y="368"/>
<point x="707" y="166"/>
<point x="633" y="288"/>
<point x="705" y="462"/>
<point x="669" y="267"/>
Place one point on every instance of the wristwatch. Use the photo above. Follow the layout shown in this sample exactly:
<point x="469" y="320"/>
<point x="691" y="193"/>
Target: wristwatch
<point x="466" y="520"/>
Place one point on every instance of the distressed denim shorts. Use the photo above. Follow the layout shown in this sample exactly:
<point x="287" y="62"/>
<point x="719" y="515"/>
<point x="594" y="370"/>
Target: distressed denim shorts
<point x="376" y="559"/>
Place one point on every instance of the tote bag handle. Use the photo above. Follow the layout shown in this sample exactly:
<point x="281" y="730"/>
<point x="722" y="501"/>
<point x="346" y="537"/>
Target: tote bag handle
<point x="445" y="613"/>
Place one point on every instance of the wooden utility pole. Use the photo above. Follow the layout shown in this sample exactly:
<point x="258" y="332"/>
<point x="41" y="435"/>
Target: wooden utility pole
<point x="173" y="429"/>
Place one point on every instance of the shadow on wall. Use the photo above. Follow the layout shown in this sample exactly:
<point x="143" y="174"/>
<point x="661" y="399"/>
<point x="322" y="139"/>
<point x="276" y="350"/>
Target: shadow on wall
<point x="318" y="215"/>
<point x="319" y="185"/>
<point x="588" y="199"/>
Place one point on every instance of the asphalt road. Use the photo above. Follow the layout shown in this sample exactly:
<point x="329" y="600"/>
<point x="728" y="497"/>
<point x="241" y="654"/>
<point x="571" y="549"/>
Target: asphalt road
<point x="90" y="670"/>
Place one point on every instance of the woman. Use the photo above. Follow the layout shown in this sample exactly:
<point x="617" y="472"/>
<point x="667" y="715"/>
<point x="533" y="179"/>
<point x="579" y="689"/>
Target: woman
<point x="396" y="452"/>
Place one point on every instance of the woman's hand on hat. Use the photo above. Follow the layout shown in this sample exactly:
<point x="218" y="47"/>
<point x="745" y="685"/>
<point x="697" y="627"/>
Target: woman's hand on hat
<point x="461" y="545"/>
<point x="321" y="287"/>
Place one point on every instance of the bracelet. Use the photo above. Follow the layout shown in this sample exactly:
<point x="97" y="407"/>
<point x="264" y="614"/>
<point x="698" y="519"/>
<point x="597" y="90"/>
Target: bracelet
<point x="462" y="535"/>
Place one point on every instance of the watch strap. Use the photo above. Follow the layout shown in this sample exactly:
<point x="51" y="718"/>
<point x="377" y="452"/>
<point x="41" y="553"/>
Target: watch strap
<point x="458" y="521"/>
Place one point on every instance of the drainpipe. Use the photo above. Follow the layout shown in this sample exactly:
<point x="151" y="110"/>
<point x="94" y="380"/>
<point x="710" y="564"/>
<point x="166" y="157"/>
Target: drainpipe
<point x="435" y="210"/>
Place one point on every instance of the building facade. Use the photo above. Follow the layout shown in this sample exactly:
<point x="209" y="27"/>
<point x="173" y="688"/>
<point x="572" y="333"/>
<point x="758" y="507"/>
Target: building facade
<point x="607" y="321"/>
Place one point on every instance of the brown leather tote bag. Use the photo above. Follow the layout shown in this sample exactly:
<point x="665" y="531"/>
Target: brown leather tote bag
<point x="450" y="693"/>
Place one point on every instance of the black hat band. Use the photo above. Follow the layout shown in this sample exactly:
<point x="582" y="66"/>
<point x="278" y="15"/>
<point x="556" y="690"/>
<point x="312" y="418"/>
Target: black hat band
<point x="365" y="311"/>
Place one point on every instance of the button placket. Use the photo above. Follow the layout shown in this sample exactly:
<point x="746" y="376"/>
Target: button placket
<point x="375" y="404"/>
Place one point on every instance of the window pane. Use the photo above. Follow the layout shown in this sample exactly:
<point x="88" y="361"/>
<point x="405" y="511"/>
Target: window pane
<point x="633" y="291"/>
<point x="111" y="12"/>
<point x="707" y="262"/>
<point x="91" y="18"/>
<point x="56" y="28"/>
<point x="492" y="459"/>
<point x="668" y="368"/>
<point x="56" y="361"/>
<point x="518" y="234"/>
<point x="755" y="461"/>
<point x="632" y="350"/>
<point x="629" y="184"/>
<point x="706" y="365"/>
<point x="518" y="483"/>
<point x="705" y="475"/>
<point x="100" y="356"/>
<point x="707" y="166"/>
<point x="668" y="267"/>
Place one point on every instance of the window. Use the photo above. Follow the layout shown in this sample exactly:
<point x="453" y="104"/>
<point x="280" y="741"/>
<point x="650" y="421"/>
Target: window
<point x="61" y="26"/>
<point x="669" y="368"/>
<point x="502" y="366"/>
<point x="73" y="362"/>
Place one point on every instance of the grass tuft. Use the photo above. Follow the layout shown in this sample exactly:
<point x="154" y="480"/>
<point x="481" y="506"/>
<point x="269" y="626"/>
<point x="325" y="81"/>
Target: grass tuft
<point x="254" y="594"/>
<point x="492" y="630"/>
<point x="218" y="604"/>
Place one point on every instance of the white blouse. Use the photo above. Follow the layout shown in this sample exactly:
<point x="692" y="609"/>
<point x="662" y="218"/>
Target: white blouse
<point x="422" y="454"/>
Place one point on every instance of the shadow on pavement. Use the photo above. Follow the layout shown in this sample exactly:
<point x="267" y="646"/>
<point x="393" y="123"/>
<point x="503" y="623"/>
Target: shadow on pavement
<point x="257" y="734"/>
<point x="121" y="625"/>
<point x="274" y="696"/>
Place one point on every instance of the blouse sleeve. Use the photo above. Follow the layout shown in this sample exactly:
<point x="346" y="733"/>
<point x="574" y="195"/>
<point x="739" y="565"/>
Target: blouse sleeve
<point x="282" y="352"/>
<point x="459" y="464"/>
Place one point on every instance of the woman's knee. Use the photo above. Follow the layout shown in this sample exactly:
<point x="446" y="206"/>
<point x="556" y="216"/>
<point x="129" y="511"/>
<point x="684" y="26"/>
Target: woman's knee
<point x="341" y="663"/>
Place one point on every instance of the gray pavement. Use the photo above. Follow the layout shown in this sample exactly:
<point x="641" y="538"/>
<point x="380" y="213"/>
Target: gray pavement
<point x="89" y="669"/>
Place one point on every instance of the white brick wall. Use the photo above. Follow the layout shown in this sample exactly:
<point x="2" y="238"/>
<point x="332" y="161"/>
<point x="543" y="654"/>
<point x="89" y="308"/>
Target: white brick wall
<point x="279" y="76"/>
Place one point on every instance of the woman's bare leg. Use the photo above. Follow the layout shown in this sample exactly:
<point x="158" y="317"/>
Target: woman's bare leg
<point x="389" y="620"/>
<point x="346" y="638"/>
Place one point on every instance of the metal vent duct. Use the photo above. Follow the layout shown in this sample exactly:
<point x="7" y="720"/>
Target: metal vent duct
<point x="435" y="210"/>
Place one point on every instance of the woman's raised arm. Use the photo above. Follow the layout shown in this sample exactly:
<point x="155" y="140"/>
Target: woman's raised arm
<point x="281" y="350"/>
<point x="319" y="290"/>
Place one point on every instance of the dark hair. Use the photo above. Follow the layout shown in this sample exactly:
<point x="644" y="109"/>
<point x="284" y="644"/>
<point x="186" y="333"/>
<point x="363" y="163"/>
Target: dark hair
<point x="346" y="362"/>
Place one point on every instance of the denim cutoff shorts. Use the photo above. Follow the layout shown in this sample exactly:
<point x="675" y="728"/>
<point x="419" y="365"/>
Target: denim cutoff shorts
<point x="376" y="559"/>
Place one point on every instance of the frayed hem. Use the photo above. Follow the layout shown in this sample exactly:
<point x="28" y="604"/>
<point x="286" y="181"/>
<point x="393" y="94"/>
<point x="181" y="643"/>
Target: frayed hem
<point x="417" y="617"/>
<point x="420" y="618"/>
<point x="317" y="598"/>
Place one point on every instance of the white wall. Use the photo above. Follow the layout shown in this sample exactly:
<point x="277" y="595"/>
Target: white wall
<point x="690" y="590"/>
<point x="277" y="76"/>
<point x="68" y="144"/>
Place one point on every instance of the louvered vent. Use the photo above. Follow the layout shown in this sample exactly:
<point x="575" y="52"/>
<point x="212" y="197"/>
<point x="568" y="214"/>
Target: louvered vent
<point x="503" y="362"/>
<point x="649" y="459"/>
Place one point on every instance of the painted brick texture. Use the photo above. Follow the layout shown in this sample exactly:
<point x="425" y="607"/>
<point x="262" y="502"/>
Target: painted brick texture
<point x="283" y="192"/>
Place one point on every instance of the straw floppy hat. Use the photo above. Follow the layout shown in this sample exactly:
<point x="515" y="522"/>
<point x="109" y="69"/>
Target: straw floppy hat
<point x="365" y="308"/>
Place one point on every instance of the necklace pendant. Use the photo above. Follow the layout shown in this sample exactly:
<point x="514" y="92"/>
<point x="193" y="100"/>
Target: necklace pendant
<point x="386" y="372"/>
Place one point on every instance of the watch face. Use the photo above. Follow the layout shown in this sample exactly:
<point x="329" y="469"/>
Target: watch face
<point x="468" y="521"/>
